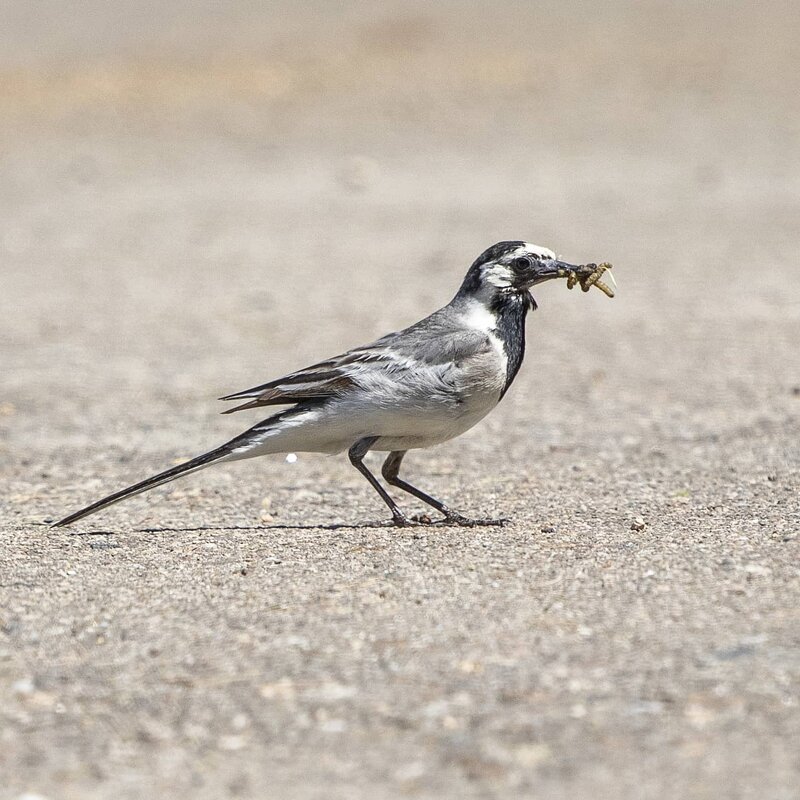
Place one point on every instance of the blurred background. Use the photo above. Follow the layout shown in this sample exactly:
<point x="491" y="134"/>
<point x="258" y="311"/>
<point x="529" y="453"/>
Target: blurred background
<point x="198" y="196"/>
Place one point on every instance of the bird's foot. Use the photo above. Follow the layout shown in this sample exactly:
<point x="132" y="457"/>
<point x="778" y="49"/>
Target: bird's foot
<point x="452" y="518"/>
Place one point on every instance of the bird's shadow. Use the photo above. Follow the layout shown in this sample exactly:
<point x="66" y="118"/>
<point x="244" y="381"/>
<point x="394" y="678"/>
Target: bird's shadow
<point x="330" y="526"/>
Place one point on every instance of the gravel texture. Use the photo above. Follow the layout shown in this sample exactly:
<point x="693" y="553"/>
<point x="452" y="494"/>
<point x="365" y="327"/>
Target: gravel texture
<point x="194" y="199"/>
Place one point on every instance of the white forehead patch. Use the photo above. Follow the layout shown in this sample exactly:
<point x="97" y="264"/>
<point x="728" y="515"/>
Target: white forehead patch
<point x="535" y="249"/>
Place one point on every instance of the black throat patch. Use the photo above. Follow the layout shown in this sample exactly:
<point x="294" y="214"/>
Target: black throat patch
<point x="510" y="310"/>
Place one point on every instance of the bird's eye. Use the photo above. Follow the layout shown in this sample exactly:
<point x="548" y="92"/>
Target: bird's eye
<point x="523" y="262"/>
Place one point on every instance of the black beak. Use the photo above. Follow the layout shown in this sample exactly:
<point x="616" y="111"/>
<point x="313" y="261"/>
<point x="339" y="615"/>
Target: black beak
<point x="552" y="268"/>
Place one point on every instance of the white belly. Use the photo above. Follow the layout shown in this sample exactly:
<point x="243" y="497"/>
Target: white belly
<point x="336" y="426"/>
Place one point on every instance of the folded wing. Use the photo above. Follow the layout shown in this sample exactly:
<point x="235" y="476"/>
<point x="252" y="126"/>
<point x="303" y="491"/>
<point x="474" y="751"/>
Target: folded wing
<point x="427" y="343"/>
<point x="317" y="382"/>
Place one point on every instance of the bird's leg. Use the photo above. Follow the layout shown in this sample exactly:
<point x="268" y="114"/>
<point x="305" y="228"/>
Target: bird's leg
<point x="356" y="454"/>
<point x="390" y="472"/>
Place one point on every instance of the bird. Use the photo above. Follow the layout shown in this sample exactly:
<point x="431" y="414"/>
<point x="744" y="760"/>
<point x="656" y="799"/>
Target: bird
<point x="411" y="389"/>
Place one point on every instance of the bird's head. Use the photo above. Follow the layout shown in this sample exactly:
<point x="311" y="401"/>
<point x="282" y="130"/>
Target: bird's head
<point x="511" y="268"/>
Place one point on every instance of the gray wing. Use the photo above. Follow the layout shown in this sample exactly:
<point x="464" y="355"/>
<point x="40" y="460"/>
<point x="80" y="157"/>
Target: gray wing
<point x="438" y="339"/>
<point x="433" y="341"/>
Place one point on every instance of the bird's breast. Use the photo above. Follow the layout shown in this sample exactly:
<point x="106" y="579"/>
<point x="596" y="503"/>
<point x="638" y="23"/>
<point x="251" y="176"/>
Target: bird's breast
<point x="482" y="378"/>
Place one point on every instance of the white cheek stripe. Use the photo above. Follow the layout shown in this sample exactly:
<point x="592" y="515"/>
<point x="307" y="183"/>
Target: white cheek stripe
<point x="498" y="276"/>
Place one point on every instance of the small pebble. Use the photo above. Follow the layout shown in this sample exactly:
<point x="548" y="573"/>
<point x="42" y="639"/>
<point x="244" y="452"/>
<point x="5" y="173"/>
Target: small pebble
<point x="23" y="686"/>
<point x="231" y="743"/>
<point x="638" y="524"/>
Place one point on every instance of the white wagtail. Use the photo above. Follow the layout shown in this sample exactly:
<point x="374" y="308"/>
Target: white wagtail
<point x="414" y="388"/>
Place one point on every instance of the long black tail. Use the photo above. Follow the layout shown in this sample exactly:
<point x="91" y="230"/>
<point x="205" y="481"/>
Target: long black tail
<point x="193" y="465"/>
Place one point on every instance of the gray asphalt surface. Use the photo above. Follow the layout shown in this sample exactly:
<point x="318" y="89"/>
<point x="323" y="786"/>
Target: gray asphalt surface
<point x="193" y="200"/>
